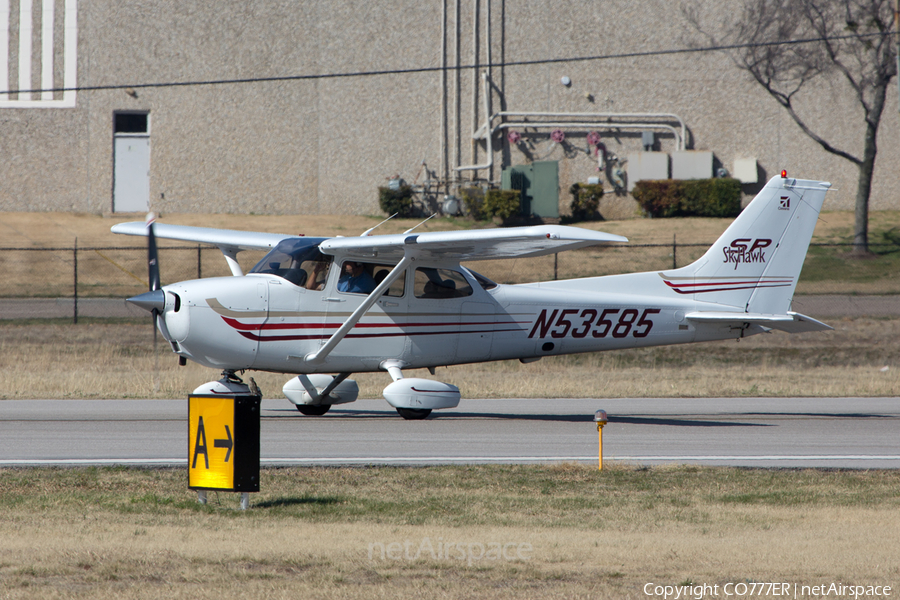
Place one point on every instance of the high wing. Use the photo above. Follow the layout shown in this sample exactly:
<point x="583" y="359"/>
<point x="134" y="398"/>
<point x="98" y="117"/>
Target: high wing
<point x="229" y="241"/>
<point x="230" y="238"/>
<point x="469" y="245"/>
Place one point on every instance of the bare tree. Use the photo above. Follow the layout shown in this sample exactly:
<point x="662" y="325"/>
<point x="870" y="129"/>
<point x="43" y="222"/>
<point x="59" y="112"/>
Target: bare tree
<point x="850" y="39"/>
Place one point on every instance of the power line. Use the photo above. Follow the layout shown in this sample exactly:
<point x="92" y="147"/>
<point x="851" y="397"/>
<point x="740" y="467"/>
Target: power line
<point x="418" y="70"/>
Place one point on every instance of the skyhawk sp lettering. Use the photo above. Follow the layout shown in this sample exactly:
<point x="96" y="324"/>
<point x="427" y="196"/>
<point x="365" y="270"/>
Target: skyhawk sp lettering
<point x="741" y="252"/>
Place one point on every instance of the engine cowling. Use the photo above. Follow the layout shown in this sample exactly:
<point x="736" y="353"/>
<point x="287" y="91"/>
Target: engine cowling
<point x="421" y="394"/>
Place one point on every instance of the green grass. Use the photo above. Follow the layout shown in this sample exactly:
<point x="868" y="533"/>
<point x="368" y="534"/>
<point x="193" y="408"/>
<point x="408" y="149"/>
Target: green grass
<point x="524" y="496"/>
<point x="828" y="263"/>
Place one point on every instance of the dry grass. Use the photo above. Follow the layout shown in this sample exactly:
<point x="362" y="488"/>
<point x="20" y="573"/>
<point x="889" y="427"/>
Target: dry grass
<point x="122" y="272"/>
<point x="54" y="229"/>
<point x="110" y="533"/>
<point x="97" y="359"/>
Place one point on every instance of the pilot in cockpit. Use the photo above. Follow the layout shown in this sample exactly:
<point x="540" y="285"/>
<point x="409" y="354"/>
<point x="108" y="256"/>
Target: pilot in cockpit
<point x="318" y="274"/>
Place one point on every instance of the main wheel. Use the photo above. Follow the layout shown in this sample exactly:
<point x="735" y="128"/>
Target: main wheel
<point x="313" y="410"/>
<point x="413" y="414"/>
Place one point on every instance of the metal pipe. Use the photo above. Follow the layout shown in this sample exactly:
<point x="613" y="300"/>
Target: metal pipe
<point x="488" y="81"/>
<point x="444" y="163"/>
<point x="486" y="132"/>
<point x="602" y="125"/>
<point x="456" y="88"/>
<point x="475" y="78"/>
<point x="668" y="116"/>
<point x="535" y="125"/>
<point x="487" y="136"/>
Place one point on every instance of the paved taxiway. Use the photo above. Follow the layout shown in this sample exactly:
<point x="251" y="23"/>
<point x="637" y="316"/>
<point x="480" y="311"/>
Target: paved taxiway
<point x="781" y="432"/>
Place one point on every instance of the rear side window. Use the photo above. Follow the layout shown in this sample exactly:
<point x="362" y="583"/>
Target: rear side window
<point x="441" y="284"/>
<point x="397" y="287"/>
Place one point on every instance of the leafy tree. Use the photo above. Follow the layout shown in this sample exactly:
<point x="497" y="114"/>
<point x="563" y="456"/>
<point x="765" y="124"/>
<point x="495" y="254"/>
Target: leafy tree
<point x="851" y="40"/>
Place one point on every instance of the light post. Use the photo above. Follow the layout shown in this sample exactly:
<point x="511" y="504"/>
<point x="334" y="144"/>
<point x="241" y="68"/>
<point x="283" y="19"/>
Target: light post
<point x="600" y="419"/>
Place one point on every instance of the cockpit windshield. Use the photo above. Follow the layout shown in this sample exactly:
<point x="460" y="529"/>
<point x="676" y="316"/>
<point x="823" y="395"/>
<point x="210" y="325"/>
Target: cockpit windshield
<point x="297" y="260"/>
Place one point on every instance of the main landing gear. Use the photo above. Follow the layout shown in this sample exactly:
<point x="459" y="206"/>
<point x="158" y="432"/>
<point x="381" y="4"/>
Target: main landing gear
<point x="313" y="410"/>
<point x="414" y="414"/>
<point x="415" y="398"/>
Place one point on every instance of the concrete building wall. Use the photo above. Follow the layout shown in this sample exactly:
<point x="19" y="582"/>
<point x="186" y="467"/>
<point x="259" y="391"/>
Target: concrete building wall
<point x="323" y="145"/>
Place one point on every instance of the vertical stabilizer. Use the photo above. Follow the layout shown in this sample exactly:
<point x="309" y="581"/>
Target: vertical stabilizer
<point x="755" y="264"/>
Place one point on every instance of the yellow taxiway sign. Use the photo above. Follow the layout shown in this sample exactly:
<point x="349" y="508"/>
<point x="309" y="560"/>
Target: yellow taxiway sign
<point x="223" y="443"/>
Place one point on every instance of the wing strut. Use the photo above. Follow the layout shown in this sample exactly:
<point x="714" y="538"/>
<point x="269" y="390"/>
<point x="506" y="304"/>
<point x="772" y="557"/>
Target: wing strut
<point x="230" y="254"/>
<point x="318" y="357"/>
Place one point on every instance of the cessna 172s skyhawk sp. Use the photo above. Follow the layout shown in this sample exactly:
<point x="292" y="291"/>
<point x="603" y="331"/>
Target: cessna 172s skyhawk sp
<point x="316" y="306"/>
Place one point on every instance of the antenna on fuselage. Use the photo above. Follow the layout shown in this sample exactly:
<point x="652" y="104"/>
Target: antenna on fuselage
<point x="370" y="230"/>
<point x="422" y="223"/>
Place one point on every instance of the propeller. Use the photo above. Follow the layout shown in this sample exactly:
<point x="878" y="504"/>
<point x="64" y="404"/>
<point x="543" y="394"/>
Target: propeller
<point x="153" y="301"/>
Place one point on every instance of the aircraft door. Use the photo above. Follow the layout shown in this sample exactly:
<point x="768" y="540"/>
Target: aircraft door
<point x="392" y="311"/>
<point x="380" y="333"/>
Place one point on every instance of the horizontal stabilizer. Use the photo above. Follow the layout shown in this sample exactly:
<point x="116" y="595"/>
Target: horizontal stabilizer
<point x="230" y="238"/>
<point x="791" y="322"/>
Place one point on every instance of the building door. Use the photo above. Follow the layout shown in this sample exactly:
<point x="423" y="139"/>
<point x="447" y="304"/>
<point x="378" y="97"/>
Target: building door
<point x="131" y="162"/>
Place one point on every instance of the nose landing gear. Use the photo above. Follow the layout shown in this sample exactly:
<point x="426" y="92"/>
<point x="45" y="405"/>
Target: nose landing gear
<point x="230" y="383"/>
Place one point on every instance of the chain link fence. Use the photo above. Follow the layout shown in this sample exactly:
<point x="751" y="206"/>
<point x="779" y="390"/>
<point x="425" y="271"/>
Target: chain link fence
<point x="93" y="282"/>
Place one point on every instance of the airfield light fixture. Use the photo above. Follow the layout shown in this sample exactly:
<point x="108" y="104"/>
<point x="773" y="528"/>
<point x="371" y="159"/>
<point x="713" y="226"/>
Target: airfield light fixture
<point x="600" y="419"/>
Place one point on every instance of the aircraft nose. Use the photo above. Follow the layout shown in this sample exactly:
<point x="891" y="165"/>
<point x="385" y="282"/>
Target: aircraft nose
<point x="149" y="301"/>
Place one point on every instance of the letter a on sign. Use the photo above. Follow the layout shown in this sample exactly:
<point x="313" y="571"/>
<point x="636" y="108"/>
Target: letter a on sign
<point x="200" y="446"/>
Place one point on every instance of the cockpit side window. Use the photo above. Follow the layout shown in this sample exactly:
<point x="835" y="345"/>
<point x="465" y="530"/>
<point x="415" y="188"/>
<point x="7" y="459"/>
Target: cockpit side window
<point x="298" y="261"/>
<point x="362" y="278"/>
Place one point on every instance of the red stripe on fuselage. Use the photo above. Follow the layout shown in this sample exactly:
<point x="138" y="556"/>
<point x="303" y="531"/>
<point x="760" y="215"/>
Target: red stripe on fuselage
<point x="295" y="338"/>
<point x="693" y="288"/>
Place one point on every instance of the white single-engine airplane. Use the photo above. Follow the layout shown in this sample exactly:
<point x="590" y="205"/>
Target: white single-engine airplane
<point x="317" y="306"/>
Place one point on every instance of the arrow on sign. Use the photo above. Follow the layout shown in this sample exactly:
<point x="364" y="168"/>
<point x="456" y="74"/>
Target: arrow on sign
<point x="229" y="443"/>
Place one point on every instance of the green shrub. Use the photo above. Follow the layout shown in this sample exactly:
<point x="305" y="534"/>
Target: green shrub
<point x="692" y="198"/>
<point x="586" y="201"/>
<point x="720" y="197"/>
<point x="502" y="203"/>
<point x="473" y="200"/>
<point x="659" y="198"/>
<point x="396" y="201"/>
